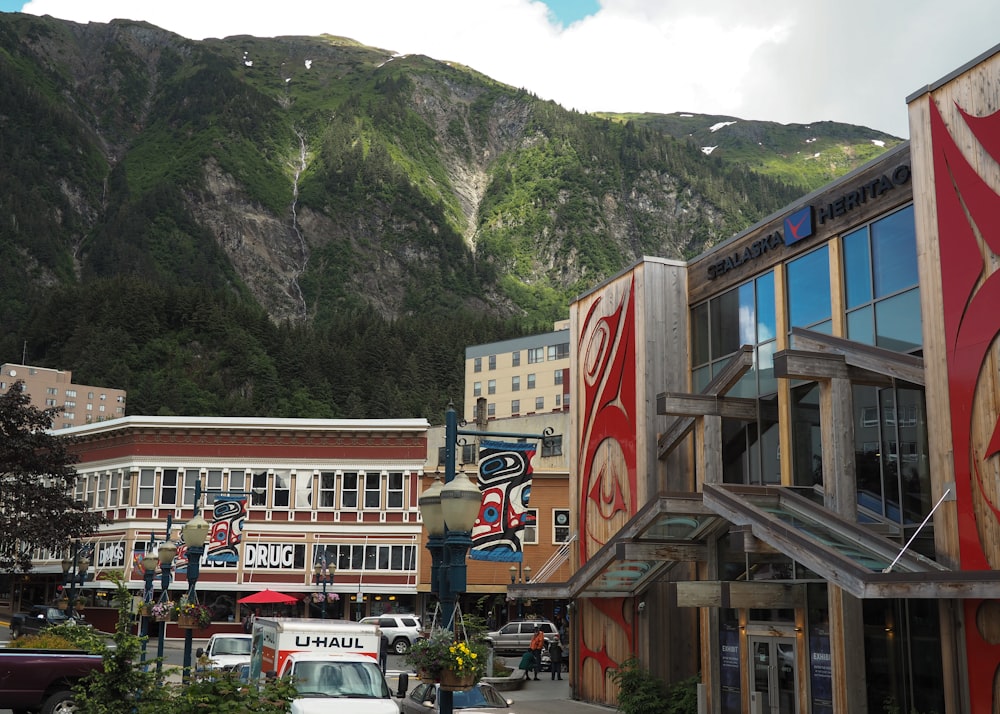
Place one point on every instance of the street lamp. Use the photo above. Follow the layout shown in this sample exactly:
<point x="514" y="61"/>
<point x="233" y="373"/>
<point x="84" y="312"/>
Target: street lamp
<point x="522" y="577"/>
<point x="165" y="553"/>
<point x="449" y="511"/>
<point x="324" y="576"/>
<point x="149" y="563"/>
<point x="74" y="571"/>
<point x="194" y="533"/>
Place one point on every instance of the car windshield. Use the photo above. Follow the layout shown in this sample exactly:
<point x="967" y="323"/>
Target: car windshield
<point x="348" y="680"/>
<point x="233" y="646"/>
<point x="477" y="697"/>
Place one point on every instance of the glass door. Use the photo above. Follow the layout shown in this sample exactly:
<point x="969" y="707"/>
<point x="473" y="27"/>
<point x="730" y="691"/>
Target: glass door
<point x="773" y="674"/>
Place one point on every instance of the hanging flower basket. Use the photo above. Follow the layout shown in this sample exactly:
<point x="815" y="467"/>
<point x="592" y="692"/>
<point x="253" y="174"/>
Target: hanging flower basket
<point x="62" y="603"/>
<point x="145" y="610"/>
<point x="163" y="610"/>
<point x="427" y="676"/>
<point x="455" y="682"/>
<point x="186" y="622"/>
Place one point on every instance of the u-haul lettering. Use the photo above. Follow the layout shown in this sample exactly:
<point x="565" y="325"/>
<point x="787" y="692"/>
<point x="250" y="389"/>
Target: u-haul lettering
<point x="318" y="642"/>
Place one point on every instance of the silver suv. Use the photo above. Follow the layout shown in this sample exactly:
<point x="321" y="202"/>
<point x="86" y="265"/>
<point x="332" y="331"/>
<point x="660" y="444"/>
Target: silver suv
<point x="516" y="636"/>
<point x="402" y="630"/>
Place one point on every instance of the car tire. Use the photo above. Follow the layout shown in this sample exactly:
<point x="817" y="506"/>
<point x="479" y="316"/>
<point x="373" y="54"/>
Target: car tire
<point x="59" y="703"/>
<point x="15" y="632"/>
<point x="401" y="646"/>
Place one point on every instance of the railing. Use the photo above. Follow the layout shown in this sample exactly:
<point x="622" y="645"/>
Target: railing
<point x="554" y="562"/>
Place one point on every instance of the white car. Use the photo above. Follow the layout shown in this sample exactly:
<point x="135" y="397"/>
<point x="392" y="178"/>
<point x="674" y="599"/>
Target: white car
<point x="402" y="630"/>
<point x="226" y="651"/>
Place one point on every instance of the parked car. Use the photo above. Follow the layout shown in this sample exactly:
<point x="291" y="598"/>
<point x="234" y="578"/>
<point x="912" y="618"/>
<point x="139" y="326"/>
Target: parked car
<point x="43" y="680"/>
<point x="516" y="635"/>
<point x="38" y="617"/>
<point x="402" y="630"/>
<point x="225" y="651"/>
<point x="483" y="697"/>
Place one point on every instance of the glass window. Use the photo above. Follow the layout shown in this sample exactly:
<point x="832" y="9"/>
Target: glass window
<point x="560" y="525"/>
<point x="529" y="536"/>
<point x="168" y="487"/>
<point x="213" y="485"/>
<point x="477" y="389"/>
<point x="282" y="488"/>
<point x="807" y="437"/>
<point x="469" y="453"/>
<point x="881" y="283"/>
<point x="127" y="489"/>
<point x="539" y="403"/>
<point x="258" y="489"/>
<point x="491" y="409"/>
<point x="809" y="290"/>
<point x="536" y="355"/>
<point x="349" y="490"/>
<point x="190" y="477"/>
<point x="327" y="489"/>
<point x="515" y="384"/>
<point x="394" y="490"/>
<point x="552" y="446"/>
<point x="531" y="381"/>
<point x="560" y="351"/>
<point x="102" y="490"/>
<point x="237" y="480"/>
<point x="557" y="377"/>
<point x="477" y="364"/>
<point x="515" y="406"/>
<point x="515" y="358"/>
<point x="493" y="361"/>
<point x="114" y="488"/>
<point x="373" y="490"/>
<point x="491" y="387"/>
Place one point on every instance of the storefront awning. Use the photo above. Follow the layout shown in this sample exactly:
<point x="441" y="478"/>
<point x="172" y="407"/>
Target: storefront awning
<point x="840" y="551"/>
<point x="669" y="529"/>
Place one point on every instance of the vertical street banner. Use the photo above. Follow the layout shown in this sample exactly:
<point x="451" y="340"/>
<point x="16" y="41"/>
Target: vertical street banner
<point x="228" y="515"/>
<point x="505" y="482"/>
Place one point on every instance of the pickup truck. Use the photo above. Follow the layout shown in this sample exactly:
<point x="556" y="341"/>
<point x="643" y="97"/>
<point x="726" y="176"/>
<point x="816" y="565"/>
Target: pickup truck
<point x="42" y="680"/>
<point x="226" y="651"/>
<point x="38" y="617"/>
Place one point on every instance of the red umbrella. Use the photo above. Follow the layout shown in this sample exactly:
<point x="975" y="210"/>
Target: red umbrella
<point x="267" y="597"/>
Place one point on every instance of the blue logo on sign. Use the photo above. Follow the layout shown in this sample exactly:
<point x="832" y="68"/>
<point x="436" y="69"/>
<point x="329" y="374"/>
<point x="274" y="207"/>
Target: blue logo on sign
<point x="799" y="225"/>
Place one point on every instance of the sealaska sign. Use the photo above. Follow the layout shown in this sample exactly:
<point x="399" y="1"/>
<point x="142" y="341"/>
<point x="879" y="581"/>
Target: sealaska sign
<point x="802" y="223"/>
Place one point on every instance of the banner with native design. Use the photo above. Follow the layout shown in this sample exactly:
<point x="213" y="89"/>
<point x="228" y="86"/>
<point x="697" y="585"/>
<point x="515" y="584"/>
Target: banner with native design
<point x="505" y="482"/>
<point x="228" y="515"/>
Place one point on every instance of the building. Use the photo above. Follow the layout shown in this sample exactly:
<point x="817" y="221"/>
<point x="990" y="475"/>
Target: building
<point x="526" y="375"/>
<point x="81" y="403"/>
<point x="784" y="472"/>
<point x="341" y="492"/>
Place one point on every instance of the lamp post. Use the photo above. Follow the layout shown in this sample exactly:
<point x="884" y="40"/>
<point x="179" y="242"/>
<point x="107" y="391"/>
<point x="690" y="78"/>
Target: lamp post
<point x="149" y="563"/>
<point x="324" y="576"/>
<point x="194" y="532"/>
<point x="449" y="511"/>
<point x="74" y="570"/>
<point x="165" y="553"/>
<point x="516" y="576"/>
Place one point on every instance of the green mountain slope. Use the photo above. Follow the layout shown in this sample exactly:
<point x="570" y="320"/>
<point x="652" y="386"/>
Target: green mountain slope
<point x="300" y="225"/>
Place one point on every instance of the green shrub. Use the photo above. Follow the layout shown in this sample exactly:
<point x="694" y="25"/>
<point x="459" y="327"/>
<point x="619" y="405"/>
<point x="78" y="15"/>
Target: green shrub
<point x="47" y="640"/>
<point x="639" y="692"/>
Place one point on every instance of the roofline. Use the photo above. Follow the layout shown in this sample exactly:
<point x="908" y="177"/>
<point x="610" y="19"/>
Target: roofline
<point x="235" y="423"/>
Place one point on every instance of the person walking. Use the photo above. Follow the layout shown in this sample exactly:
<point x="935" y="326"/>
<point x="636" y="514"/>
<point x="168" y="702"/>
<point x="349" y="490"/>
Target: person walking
<point x="527" y="662"/>
<point x="536" y="647"/>
<point x="555" y="658"/>
<point x="383" y="652"/>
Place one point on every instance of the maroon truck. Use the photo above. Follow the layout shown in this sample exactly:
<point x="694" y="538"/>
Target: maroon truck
<point x="42" y="680"/>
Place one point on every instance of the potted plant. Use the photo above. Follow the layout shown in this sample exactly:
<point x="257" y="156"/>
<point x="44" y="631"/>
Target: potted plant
<point x="457" y="665"/>
<point x="163" y="610"/>
<point x="191" y="615"/>
<point x="330" y="597"/>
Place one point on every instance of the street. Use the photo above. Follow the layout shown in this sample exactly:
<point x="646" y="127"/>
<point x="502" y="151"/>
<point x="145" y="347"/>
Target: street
<point x="542" y="697"/>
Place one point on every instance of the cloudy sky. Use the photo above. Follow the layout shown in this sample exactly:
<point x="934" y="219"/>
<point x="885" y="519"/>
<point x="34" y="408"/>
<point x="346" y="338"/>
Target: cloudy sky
<point x="790" y="62"/>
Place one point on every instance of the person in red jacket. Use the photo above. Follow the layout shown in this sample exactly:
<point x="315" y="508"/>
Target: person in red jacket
<point x="536" y="647"/>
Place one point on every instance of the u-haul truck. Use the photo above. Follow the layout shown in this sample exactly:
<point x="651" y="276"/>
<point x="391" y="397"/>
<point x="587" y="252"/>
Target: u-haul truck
<point x="328" y="660"/>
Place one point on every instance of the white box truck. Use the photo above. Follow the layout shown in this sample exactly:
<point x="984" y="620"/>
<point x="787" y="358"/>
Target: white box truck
<point x="333" y="662"/>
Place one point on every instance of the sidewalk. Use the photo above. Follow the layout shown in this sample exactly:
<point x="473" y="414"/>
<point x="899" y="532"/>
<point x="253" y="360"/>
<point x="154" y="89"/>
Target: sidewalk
<point x="548" y="697"/>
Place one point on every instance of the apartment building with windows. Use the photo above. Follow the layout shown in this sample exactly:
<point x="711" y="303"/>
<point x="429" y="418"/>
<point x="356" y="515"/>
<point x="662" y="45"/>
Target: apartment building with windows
<point x="81" y="403"/>
<point x="525" y="375"/>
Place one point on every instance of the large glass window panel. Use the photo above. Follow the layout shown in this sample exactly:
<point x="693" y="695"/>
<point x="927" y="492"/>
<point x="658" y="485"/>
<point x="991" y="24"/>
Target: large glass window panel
<point x="767" y="383"/>
<point x="807" y="437"/>
<point x="867" y="449"/>
<point x="700" y="378"/>
<point x="748" y="314"/>
<point x="915" y="478"/>
<point x="724" y="315"/>
<point x="699" y="335"/>
<point x="809" y="289"/>
<point x="767" y="324"/>
<point x="861" y="326"/>
<point x="898" y="322"/>
<point x="857" y="268"/>
<point x="894" y="253"/>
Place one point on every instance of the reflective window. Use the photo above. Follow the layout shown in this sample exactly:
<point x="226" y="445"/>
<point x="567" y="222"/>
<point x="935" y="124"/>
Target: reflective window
<point x="809" y="290"/>
<point x="881" y="283"/>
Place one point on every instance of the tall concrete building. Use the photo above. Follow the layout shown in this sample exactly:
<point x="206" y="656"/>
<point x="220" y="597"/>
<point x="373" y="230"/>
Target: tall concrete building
<point x="81" y="403"/>
<point x="526" y="375"/>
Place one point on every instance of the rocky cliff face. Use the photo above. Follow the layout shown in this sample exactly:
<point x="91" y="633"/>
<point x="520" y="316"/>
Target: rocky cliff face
<point x="318" y="175"/>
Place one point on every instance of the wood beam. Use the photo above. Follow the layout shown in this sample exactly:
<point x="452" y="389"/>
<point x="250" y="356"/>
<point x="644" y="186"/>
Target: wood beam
<point x="677" y="552"/>
<point x="696" y="405"/>
<point x="872" y="359"/>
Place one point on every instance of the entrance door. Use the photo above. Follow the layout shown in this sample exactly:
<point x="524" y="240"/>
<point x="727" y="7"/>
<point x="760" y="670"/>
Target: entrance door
<point x="773" y="674"/>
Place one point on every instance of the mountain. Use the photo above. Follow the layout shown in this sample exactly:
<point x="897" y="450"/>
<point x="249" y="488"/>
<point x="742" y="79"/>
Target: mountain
<point x="306" y="226"/>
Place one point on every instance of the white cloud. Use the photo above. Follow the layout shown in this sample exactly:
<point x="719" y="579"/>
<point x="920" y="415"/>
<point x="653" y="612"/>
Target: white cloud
<point x="839" y="60"/>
